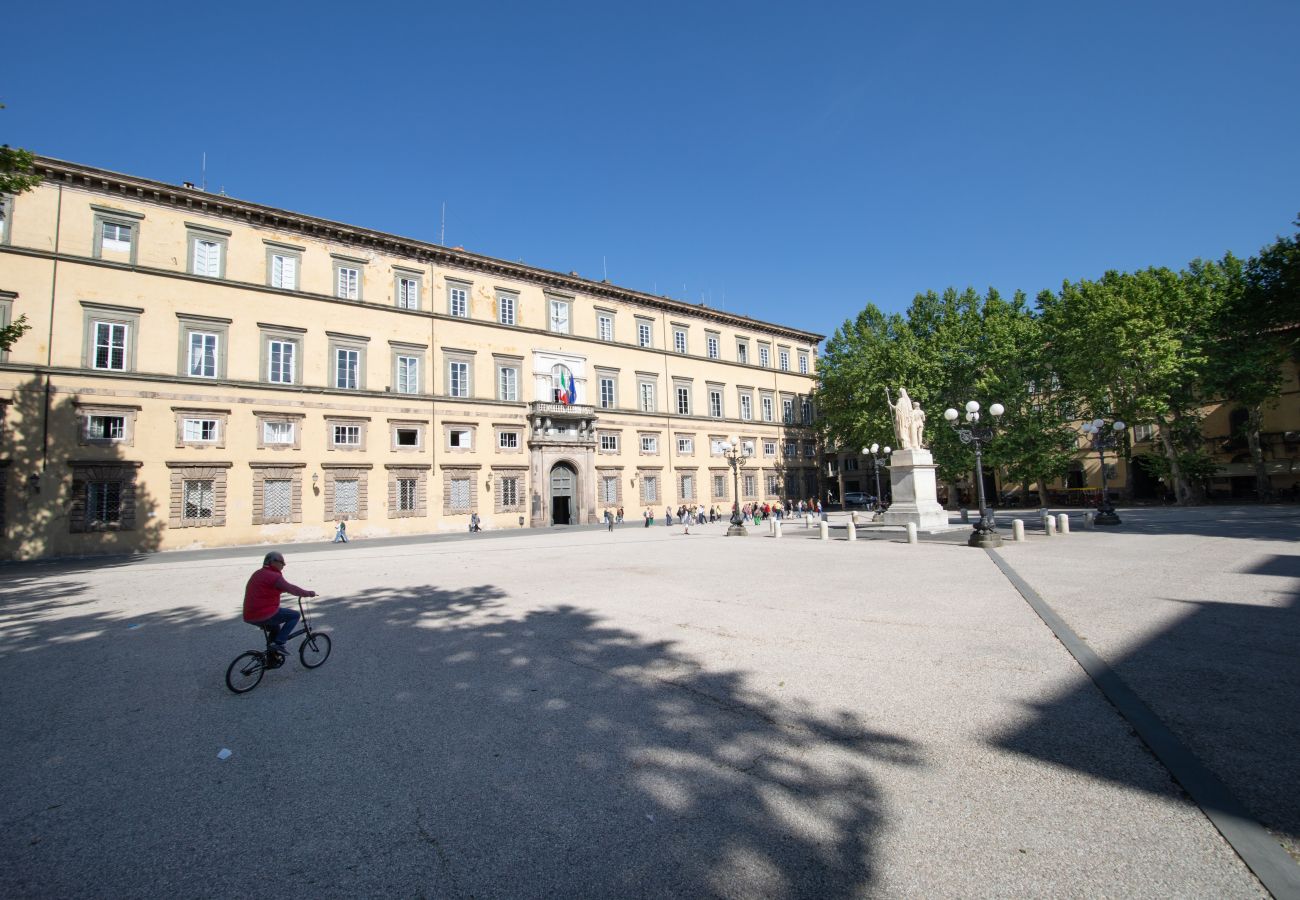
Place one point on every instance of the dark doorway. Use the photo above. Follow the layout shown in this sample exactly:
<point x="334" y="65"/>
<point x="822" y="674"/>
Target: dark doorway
<point x="1074" y="477"/>
<point x="563" y="479"/>
<point x="1145" y="485"/>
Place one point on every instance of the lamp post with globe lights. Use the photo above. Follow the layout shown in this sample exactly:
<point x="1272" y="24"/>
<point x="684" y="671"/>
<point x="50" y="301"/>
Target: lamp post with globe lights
<point x="736" y="457"/>
<point x="875" y="468"/>
<point x="985" y="533"/>
<point x="1101" y="439"/>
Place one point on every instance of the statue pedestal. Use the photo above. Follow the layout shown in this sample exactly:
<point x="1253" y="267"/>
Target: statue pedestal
<point x="915" y="492"/>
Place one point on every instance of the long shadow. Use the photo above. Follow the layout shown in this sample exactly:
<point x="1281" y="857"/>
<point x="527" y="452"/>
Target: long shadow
<point x="451" y="746"/>
<point x="1226" y="679"/>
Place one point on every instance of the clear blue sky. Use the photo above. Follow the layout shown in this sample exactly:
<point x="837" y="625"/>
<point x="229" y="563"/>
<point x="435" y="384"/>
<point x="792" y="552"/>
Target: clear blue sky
<point x="790" y="162"/>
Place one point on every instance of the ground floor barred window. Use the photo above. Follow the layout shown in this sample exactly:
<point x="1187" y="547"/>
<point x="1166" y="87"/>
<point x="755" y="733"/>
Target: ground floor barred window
<point x="198" y="501"/>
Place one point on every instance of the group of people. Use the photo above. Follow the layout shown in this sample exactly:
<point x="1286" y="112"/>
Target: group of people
<point x="697" y="514"/>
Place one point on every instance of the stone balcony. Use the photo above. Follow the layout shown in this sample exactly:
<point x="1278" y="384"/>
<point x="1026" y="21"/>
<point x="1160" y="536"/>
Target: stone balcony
<point x="560" y="423"/>
<point x="560" y="410"/>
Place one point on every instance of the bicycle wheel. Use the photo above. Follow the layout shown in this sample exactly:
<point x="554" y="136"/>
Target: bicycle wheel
<point x="314" y="649"/>
<point x="245" y="672"/>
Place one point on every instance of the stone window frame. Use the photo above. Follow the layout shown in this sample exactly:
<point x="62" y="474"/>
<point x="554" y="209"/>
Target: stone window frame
<point x="714" y="475"/>
<point x="604" y="433"/>
<point x="502" y="361"/>
<point x="452" y="355"/>
<point x="499" y="474"/>
<point x="111" y="314"/>
<point x="420" y="425"/>
<point x="717" y="443"/>
<point x="693" y="473"/>
<point x="420" y="353"/>
<point x="765" y="350"/>
<point x="641" y="440"/>
<point x="744" y="393"/>
<point x="767" y="406"/>
<point x="644" y="474"/>
<point x="769" y="448"/>
<point x="643" y="379"/>
<point x="649" y="325"/>
<point x="289" y="471"/>
<point x="7" y="221"/>
<point x="262" y="417"/>
<point x="350" y="342"/>
<point x="718" y="391"/>
<point x="7" y="299"/>
<point x="552" y="302"/>
<point x="399" y="471"/>
<point x="195" y="232"/>
<point x="288" y="334"/>
<point x="333" y="420"/>
<point x="449" y="427"/>
<point x="222" y="417"/>
<point x="745" y="492"/>
<point x="499" y="430"/>
<point x="601" y="374"/>
<point x="690" y="440"/>
<point x="805" y="366"/>
<point x="615" y="472"/>
<point x="401" y="274"/>
<point x="121" y="217"/>
<point x="507" y="299"/>
<point x="782" y="358"/>
<point x="748" y="443"/>
<point x="809" y="450"/>
<point x="450" y="284"/>
<point x="806" y="411"/>
<point x="604" y="313"/>
<point x="455" y="472"/>
<point x="787" y="409"/>
<point x="84" y="411"/>
<point x="286" y="251"/>
<point x="680" y="385"/>
<point x="86" y="472"/>
<point x="191" y="323"/>
<point x="181" y="472"/>
<point x="713" y="344"/>
<point x="340" y="261"/>
<point x="681" y="338"/>
<point x="773" y="482"/>
<point x="333" y="472"/>
<point x="742" y="351"/>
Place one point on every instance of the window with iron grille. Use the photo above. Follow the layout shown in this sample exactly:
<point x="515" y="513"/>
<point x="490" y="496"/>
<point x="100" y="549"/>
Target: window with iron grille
<point x="688" y="487"/>
<point x="773" y="484"/>
<point x="509" y="488"/>
<point x="406" y="493"/>
<point x="103" y="502"/>
<point x="277" y="498"/>
<point x="346" y="496"/>
<point x="197" y="498"/>
<point x="609" y="489"/>
<point x="460" y="493"/>
<point x="650" y="488"/>
<point x="719" y="485"/>
<point x="750" y="484"/>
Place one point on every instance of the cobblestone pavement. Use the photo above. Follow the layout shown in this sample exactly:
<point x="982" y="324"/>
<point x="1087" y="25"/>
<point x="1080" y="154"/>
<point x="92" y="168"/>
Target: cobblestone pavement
<point x="649" y="713"/>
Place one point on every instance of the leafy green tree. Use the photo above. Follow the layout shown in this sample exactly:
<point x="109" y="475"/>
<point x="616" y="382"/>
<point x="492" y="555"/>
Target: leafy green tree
<point x="1136" y="345"/>
<point x="17" y="175"/>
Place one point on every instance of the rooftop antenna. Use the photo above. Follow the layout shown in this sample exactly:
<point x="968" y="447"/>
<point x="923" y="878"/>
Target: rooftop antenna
<point x="442" y="234"/>
<point x="604" y="266"/>
<point x="203" y="172"/>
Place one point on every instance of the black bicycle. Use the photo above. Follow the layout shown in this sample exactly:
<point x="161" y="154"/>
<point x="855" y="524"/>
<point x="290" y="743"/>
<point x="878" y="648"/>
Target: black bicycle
<point x="246" y="672"/>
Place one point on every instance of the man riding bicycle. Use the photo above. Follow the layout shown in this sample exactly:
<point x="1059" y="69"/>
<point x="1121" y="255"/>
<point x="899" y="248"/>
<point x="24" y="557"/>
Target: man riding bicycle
<point x="262" y="600"/>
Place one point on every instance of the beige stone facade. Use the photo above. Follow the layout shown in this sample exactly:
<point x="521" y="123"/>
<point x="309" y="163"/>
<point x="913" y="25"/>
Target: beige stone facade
<point x="205" y="371"/>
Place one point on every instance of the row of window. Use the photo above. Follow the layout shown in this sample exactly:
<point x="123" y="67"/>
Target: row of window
<point x="111" y="334"/>
<point x="117" y="236"/>
<point x="611" y="441"/>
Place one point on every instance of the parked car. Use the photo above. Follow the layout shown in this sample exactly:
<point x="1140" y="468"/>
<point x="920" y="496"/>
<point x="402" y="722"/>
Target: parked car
<point x="858" y="500"/>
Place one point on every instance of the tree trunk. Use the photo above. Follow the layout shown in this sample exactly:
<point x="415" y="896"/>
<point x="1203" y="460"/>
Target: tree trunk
<point x="1263" y="483"/>
<point x="1042" y="494"/>
<point x="1182" y="492"/>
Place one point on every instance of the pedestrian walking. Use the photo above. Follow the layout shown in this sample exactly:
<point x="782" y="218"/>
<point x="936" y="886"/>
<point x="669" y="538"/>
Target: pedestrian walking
<point x="341" y="534"/>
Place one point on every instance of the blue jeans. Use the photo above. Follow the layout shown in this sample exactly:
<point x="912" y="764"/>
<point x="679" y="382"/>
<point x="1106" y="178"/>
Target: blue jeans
<point x="287" y="619"/>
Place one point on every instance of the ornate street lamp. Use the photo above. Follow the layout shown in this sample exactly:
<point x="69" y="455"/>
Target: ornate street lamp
<point x="1102" y="439"/>
<point x="985" y="533"/>
<point x="736" y="456"/>
<point x="875" y="467"/>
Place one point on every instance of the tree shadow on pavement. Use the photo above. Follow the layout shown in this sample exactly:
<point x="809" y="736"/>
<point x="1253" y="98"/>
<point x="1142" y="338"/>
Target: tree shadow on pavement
<point x="1225" y="678"/>
<point x="451" y="746"/>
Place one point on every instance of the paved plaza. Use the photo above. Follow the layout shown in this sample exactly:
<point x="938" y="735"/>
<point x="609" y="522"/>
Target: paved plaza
<point x="574" y="713"/>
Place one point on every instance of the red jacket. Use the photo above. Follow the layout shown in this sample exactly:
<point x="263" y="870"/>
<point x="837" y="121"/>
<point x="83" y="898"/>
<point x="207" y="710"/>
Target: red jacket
<point x="262" y="595"/>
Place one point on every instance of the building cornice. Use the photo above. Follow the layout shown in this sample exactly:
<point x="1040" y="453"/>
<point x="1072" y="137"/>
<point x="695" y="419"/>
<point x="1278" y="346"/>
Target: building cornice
<point x="129" y="187"/>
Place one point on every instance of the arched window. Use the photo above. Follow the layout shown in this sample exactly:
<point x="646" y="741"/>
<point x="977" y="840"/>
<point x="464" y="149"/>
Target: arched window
<point x="563" y="388"/>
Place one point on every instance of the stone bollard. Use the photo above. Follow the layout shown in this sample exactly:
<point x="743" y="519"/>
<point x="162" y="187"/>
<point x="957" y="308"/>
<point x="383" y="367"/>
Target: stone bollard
<point x="1049" y="525"/>
<point x="778" y="527"/>
<point x="853" y="531"/>
<point x="807" y="520"/>
<point x="965" y="516"/>
<point x="853" y="517"/>
<point x="911" y="532"/>
<point x="1087" y="519"/>
<point x="1018" y="531"/>
<point x="771" y="526"/>
<point x="1063" y="523"/>
<point x="825" y="531"/>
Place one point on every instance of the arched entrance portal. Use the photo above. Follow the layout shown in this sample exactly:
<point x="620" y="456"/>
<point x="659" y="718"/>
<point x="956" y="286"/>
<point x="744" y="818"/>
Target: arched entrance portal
<point x="563" y="494"/>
